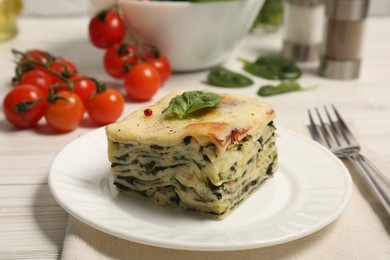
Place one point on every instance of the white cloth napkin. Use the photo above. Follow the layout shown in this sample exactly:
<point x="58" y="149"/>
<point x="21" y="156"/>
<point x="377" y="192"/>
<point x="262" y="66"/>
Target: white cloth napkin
<point x="361" y="232"/>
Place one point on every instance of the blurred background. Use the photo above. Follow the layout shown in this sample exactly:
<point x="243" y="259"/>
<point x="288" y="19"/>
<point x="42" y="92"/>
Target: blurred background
<point x="56" y="8"/>
<point x="84" y="7"/>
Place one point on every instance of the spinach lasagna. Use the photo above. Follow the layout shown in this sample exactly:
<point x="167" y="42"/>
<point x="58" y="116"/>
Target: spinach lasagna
<point x="208" y="162"/>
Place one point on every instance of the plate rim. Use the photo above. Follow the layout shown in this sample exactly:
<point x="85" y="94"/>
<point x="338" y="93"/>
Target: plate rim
<point x="184" y="245"/>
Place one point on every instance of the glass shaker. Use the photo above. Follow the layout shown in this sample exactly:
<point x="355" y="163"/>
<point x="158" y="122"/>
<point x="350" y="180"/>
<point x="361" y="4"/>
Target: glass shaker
<point x="303" y="29"/>
<point x="343" y="38"/>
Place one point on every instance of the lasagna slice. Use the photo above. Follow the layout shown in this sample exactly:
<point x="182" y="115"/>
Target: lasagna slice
<point x="208" y="162"/>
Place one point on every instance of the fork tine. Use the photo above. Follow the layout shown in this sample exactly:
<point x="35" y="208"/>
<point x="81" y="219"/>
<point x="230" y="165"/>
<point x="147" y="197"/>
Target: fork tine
<point x="339" y="137"/>
<point x="327" y="136"/>
<point x="314" y="130"/>
<point x="347" y="133"/>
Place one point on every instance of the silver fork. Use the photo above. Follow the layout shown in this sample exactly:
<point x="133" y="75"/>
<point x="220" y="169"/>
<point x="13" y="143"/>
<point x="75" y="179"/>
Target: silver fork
<point x="338" y="138"/>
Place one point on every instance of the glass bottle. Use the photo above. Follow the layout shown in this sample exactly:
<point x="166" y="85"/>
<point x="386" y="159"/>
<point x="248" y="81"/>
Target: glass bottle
<point x="9" y="11"/>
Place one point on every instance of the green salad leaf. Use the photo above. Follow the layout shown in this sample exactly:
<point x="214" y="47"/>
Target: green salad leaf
<point x="222" y="77"/>
<point x="284" y="87"/>
<point x="190" y="102"/>
<point x="272" y="67"/>
<point x="270" y="14"/>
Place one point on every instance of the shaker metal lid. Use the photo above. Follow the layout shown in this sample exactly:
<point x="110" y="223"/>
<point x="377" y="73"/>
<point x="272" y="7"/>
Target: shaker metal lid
<point x="348" y="10"/>
<point x="301" y="52"/>
<point x="339" y="69"/>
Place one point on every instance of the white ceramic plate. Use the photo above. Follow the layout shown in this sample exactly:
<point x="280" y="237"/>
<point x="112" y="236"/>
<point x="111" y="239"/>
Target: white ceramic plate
<point x="310" y="189"/>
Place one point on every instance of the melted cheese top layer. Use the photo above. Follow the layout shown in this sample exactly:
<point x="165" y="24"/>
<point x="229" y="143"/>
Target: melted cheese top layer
<point x="235" y="117"/>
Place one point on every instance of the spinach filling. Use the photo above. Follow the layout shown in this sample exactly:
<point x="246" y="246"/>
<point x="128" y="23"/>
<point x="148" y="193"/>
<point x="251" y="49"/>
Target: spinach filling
<point x="140" y="161"/>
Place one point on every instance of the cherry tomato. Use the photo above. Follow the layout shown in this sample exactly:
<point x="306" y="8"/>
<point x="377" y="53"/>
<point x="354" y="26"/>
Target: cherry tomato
<point x="106" y="106"/>
<point x="65" y="112"/>
<point x="28" y="61"/>
<point x="119" y="58"/>
<point x="162" y="65"/>
<point x="64" y="68"/>
<point x="38" y="55"/>
<point x="24" y="105"/>
<point x="142" y="82"/>
<point x="106" y="28"/>
<point x="83" y="86"/>
<point x="38" y="78"/>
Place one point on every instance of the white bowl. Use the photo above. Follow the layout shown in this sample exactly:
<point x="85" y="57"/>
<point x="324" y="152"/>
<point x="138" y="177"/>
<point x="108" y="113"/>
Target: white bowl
<point x="193" y="36"/>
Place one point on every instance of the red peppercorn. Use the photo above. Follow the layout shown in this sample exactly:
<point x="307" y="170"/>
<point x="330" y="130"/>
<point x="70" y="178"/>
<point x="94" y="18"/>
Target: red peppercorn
<point x="148" y="112"/>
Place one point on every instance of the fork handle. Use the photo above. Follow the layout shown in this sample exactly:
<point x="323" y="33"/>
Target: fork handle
<point x="379" y="183"/>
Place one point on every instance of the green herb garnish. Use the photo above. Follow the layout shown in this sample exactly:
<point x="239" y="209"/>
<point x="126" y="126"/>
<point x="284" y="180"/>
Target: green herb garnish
<point x="222" y="77"/>
<point x="190" y="102"/>
<point x="284" y="87"/>
<point x="272" y="67"/>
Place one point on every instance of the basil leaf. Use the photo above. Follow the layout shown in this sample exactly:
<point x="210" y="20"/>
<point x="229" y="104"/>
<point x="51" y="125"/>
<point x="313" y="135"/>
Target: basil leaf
<point x="222" y="77"/>
<point x="284" y="87"/>
<point x="190" y="102"/>
<point x="272" y="67"/>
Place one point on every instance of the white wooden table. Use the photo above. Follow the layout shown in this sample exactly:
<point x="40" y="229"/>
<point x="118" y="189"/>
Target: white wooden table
<point x="32" y="224"/>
